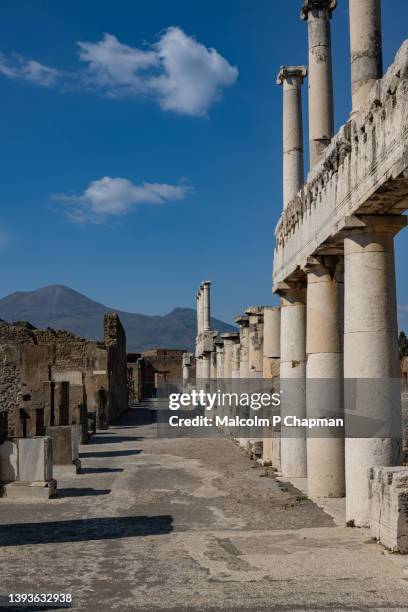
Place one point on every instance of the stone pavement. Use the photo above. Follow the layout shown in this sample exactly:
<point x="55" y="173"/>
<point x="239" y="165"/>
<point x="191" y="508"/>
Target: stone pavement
<point x="158" y="524"/>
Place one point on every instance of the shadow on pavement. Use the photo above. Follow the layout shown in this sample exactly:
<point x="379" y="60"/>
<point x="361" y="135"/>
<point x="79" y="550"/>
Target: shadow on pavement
<point x="82" y="530"/>
<point x="85" y="492"/>
<point x="118" y="453"/>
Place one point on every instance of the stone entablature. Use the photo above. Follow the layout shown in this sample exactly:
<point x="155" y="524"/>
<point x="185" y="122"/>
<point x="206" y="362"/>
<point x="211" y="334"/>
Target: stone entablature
<point x="364" y="171"/>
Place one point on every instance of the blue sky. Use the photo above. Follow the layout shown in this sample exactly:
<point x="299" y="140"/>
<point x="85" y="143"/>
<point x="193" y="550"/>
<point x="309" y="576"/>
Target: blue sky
<point x="195" y="135"/>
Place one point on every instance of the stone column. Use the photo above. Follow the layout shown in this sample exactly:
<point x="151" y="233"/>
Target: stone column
<point x="291" y="77"/>
<point x="293" y="377"/>
<point x="271" y="343"/>
<point x="205" y="366"/>
<point x="202" y="315"/>
<point x="271" y="366"/>
<point x="371" y="360"/>
<point x="321" y="125"/>
<point x="198" y="302"/>
<point x="366" y="48"/>
<point x="243" y="322"/>
<point x="219" y="351"/>
<point x="324" y="373"/>
<point x="255" y="341"/>
<point x="187" y="357"/>
<point x="206" y="306"/>
<point x="229" y="339"/>
<point x="213" y="364"/>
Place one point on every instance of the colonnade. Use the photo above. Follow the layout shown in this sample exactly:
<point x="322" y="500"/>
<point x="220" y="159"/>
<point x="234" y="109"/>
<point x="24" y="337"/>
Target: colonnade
<point x="336" y="326"/>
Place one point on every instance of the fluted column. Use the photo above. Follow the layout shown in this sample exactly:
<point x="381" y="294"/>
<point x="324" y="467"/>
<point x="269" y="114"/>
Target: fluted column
<point x="371" y="359"/>
<point x="293" y="378"/>
<point x="324" y="373"/>
<point x="366" y="48"/>
<point x="317" y="13"/>
<point x="291" y="77"/>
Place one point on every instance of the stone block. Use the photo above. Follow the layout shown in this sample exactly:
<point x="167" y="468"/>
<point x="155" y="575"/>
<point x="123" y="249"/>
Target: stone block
<point x="34" y="459"/>
<point x="30" y="491"/>
<point x="8" y="461"/>
<point x="65" y="443"/>
<point x="388" y="496"/>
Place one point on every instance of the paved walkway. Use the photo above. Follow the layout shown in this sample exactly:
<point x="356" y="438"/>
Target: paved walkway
<point x="154" y="524"/>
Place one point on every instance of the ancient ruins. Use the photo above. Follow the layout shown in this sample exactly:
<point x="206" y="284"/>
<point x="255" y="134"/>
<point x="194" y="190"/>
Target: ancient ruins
<point x="334" y="272"/>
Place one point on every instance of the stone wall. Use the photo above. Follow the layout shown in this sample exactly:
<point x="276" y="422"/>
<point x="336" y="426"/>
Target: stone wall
<point x="46" y="376"/>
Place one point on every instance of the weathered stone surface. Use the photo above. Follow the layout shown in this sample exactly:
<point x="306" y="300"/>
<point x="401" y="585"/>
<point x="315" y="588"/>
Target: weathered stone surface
<point x="388" y="488"/>
<point x="34" y="459"/>
<point x="364" y="170"/>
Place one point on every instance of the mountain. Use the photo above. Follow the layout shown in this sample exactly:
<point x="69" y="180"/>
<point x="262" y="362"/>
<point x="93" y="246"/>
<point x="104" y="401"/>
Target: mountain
<point x="60" y="307"/>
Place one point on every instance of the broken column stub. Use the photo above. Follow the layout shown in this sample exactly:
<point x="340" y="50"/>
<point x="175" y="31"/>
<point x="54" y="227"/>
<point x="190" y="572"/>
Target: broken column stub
<point x="65" y="444"/>
<point x="388" y="492"/>
<point x="34" y="475"/>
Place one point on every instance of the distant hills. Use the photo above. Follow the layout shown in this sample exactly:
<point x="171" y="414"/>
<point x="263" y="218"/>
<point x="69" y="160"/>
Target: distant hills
<point x="60" y="307"/>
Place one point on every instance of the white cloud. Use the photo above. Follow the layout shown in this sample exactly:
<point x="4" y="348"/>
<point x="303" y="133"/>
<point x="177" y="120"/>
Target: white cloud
<point x="109" y="197"/>
<point x="193" y="76"/>
<point x="177" y="72"/>
<point x="114" y="66"/>
<point x="28" y="70"/>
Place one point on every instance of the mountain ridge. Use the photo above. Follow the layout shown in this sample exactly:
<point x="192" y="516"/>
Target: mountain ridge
<point x="61" y="307"/>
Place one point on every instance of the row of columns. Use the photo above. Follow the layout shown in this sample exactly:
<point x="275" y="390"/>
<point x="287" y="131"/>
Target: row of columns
<point x="338" y="316"/>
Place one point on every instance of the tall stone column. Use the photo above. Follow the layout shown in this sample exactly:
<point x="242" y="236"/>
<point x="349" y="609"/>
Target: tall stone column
<point x="371" y="360"/>
<point x="271" y="343"/>
<point x="293" y="378"/>
<point x="324" y="373"/>
<point x="255" y="341"/>
<point x="317" y="13"/>
<point x="271" y="366"/>
<point x="291" y="77"/>
<point x="202" y="313"/>
<point x="243" y="322"/>
<point x="199" y="311"/>
<point x="366" y="48"/>
<point x="206" y="306"/>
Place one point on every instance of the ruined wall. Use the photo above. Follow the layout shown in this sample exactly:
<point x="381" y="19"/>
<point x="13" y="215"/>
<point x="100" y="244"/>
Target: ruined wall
<point x="61" y="375"/>
<point x="115" y="342"/>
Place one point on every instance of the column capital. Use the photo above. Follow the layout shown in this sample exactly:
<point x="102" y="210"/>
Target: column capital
<point x="309" y="5"/>
<point x="378" y="224"/>
<point x="206" y="283"/>
<point x="291" y="72"/>
<point x="230" y="336"/>
<point x="242" y="320"/>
